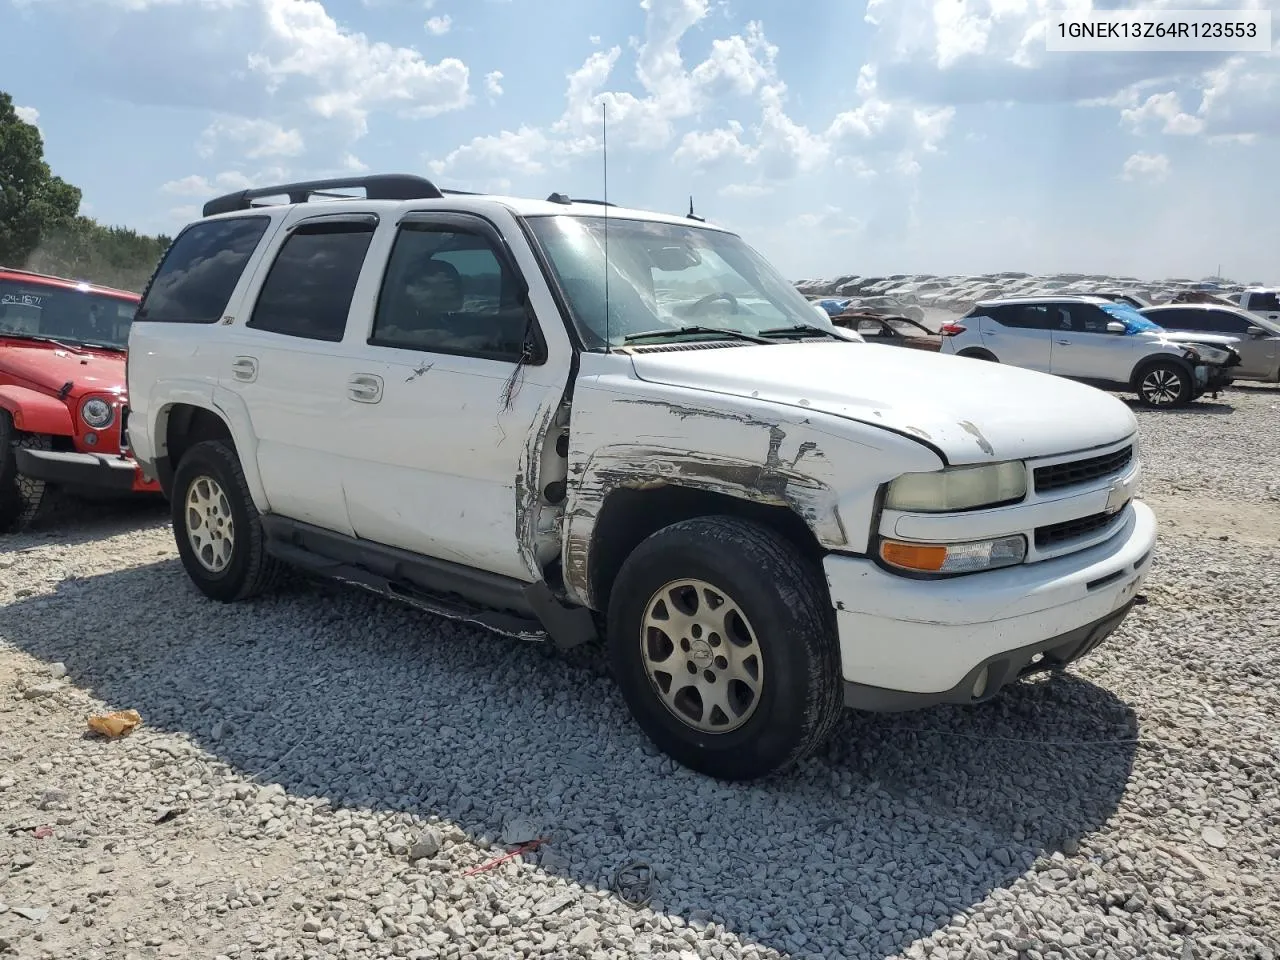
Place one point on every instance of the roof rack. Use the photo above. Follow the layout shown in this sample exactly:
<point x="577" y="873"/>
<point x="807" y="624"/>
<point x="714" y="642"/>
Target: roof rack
<point x="382" y="186"/>
<point x="566" y="200"/>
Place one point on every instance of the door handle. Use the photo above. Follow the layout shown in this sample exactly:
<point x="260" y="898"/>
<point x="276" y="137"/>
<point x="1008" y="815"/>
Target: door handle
<point x="1065" y="343"/>
<point x="245" y="369"/>
<point x="365" y="388"/>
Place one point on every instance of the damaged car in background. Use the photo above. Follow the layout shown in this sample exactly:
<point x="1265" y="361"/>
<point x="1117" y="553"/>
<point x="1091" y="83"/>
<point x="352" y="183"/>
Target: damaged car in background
<point x="889" y="330"/>
<point x="1096" y="341"/>
<point x="565" y="421"/>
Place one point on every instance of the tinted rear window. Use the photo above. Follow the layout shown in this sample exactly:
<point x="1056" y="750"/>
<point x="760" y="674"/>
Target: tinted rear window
<point x="200" y="270"/>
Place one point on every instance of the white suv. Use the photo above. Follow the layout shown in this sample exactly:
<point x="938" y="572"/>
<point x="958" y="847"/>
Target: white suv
<point x="565" y="420"/>
<point x="1096" y="341"/>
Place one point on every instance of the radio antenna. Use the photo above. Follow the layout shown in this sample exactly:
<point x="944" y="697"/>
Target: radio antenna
<point x="604" y="124"/>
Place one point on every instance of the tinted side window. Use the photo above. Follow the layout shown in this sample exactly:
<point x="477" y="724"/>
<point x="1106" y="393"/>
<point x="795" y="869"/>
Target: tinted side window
<point x="200" y="270"/>
<point x="309" y="289"/>
<point x="1174" y="319"/>
<point x="1083" y="318"/>
<point x="446" y="290"/>
<point x="1021" y="316"/>
<point x="1264" y="301"/>
<point x="1224" y="322"/>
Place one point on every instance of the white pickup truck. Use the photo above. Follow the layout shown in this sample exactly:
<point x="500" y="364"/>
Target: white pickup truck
<point x="571" y="421"/>
<point x="1264" y="301"/>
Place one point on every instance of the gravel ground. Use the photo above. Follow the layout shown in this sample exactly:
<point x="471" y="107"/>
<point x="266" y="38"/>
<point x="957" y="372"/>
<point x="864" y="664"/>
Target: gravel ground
<point x="317" y="771"/>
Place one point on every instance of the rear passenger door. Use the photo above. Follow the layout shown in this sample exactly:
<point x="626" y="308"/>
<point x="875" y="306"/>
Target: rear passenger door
<point x="1018" y="334"/>
<point x="286" y="363"/>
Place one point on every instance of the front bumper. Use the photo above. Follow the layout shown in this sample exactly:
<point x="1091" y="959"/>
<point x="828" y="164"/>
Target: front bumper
<point x="907" y="643"/>
<point x="1213" y="377"/>
<point x="91" y="471"/>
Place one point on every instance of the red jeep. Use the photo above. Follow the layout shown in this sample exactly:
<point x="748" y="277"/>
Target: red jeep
<point x="62" y="393"/>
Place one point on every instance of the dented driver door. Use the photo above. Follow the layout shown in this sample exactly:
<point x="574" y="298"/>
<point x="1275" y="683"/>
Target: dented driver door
<point x="451" y="389"/>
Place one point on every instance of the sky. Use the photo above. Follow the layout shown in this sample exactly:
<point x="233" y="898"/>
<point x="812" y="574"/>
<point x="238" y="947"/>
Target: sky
<point x="838" y="137"/>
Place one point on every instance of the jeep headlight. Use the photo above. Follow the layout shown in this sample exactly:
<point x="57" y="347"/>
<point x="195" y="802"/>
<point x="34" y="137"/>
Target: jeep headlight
<point x="97" y="413"/>
<point x="958" y="488"/>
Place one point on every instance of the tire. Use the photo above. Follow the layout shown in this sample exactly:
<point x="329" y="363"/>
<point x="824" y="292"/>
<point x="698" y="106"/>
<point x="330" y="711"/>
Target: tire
<point x="782" y="604"/>
<point x="977" y="355"/>
<point x="22" y="499"/>
<point x="1164" y="384"/>
<point x="209" y="488"/>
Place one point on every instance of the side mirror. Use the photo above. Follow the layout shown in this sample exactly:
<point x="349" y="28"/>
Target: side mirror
<point x="1115" y="326"/>
<point x="1257" y="332"/>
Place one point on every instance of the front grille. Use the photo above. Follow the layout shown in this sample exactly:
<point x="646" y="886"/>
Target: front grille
<point x="1058" y="533"/>
<point x="124" y="428"/>
<point x="1072" y="472"/>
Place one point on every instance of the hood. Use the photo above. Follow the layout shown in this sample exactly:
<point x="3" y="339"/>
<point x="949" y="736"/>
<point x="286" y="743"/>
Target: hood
<point x="973" y="411"/>
<point x="1185" y="336"/>
<point x="48" y="366"/>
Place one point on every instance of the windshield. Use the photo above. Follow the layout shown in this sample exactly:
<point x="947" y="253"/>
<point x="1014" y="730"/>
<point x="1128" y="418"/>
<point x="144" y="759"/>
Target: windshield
<point x="1134" y="322"/>
<point x="665" y="276"/>
<point x="72" y="316"/>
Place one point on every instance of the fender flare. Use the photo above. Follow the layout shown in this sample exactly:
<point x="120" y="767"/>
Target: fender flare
<point x="639" y="468"/>
<point x="35" y="412"/>
<point x="233" y="413"/>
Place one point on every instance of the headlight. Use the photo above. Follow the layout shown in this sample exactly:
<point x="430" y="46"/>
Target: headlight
<point x="1212" y="354"/>
<point x="958" y="488"/>
<point x="97" y="413"/>
<point x="954" y="557"/>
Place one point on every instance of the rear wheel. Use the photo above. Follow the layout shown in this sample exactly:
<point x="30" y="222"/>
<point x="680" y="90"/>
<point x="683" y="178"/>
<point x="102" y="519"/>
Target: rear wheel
<point x="22" y="499"/>
<point x="724" y="646"/>
<point x="217" y="526"/>
<point x="977" y="355"/>
<point x="1164" y="384"/>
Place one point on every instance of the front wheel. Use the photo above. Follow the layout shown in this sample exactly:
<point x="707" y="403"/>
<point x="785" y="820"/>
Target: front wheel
<point x="724" y="646"/>
<point x="217" y="527"/>
<point x="1164" y="384"/>
<point x="22" y="499"/>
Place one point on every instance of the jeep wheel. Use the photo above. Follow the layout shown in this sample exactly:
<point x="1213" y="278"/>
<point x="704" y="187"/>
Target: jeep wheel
<point x="22" y="499"/>
<point x="1164" y="384"/>
<point x="723" y="644"/>
<point x="217" y="527"/>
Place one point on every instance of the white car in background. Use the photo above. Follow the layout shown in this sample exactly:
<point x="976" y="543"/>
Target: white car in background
<point x="1093" y="340"/>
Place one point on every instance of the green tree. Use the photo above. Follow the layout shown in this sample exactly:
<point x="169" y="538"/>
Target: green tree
<point x="33" y="202"/>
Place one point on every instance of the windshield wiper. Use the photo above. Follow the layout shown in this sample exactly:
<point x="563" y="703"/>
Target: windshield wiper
<point x="42" y="339"/>
<point x="682" y="331"/>
<point x="801" y="329"/>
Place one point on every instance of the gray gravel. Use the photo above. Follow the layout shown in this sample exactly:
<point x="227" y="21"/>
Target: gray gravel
<point x="318" y="770"/>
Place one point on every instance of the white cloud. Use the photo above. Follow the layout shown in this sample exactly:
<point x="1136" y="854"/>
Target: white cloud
<point x="1164" y="109"/>
<point x="354" y="164"/>
<point x="493" y="83"/>
<point x="199" y="186"/>
<point x="439" y="26"/>
<point x="1146" y="166"/>
<point x="493" y="156"/>
<point x="28" y="115"/>
<point x="253" y="138"/>
<point x="345" y="74"/>
<point x="707" y="148"/>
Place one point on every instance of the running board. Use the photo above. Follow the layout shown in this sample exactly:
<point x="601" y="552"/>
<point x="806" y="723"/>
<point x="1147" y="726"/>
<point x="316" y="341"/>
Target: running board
<point x="494" y="602"/>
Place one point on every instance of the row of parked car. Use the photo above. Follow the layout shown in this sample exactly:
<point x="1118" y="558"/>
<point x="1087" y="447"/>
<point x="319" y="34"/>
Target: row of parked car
<point x="569" y="421"/>
<point x="1169" y="355"/>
